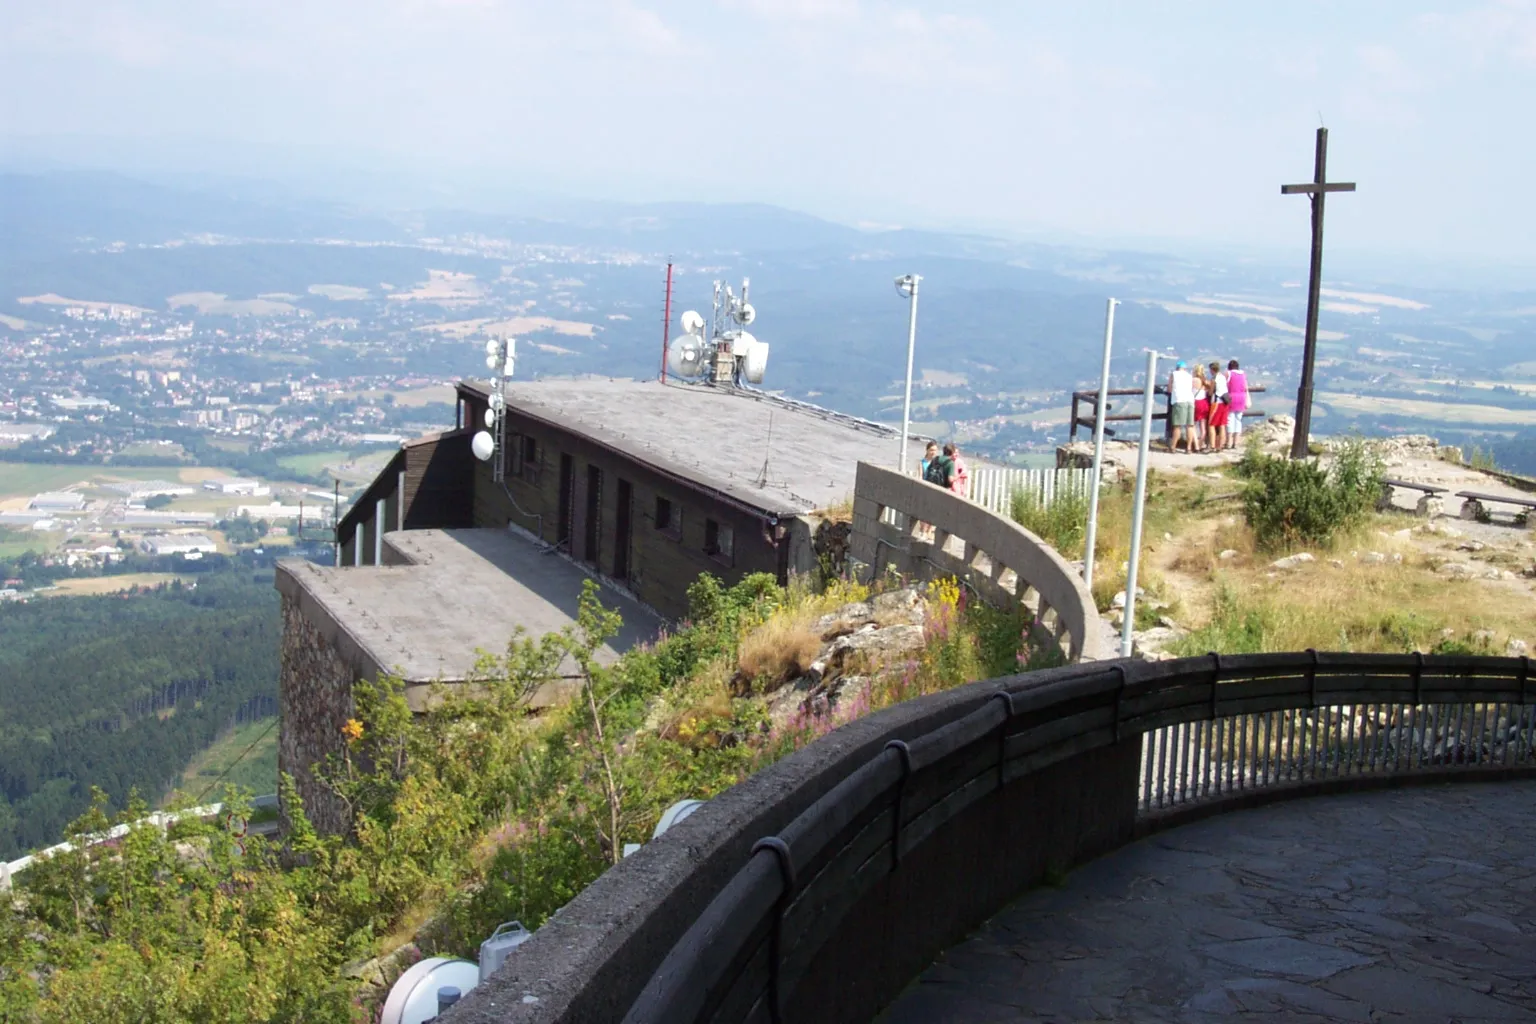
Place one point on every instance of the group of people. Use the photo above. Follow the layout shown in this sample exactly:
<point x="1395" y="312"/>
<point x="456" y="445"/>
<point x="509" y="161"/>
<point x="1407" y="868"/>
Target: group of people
<point x="945" y="468"/>
<point x="1206" y="405"/>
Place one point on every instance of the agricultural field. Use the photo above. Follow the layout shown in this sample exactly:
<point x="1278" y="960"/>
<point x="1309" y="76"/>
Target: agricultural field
<point x="90" y="585"/>
<point x="256" y="770"/>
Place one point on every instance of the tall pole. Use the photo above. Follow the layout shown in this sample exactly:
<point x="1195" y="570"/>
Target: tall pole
<point x="666" y="324"/>
<point x="1317" y="188"/>
<point x="1129" y="625"/>
<point x="911" y="281"/>
<point x="1098" y="445"/>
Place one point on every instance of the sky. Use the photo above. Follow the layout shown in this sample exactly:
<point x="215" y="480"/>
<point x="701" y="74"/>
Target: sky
<point x="1089" y="121"/>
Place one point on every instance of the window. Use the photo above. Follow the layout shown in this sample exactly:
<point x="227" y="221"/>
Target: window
<point x="719" y="541"/>
<point x="528" y="455"/>
<point x="523" y="457"/>
<point x="668" y="519"/>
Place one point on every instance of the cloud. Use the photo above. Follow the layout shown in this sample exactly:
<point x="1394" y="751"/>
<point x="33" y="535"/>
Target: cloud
<point x="645" y="30"/>
<point x="1502" y="29"/>
<point x="798" y="10"/>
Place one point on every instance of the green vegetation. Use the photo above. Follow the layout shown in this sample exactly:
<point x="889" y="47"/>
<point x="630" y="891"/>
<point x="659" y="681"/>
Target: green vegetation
<point x="312" y="465"/>
<point x="1062" y="524"/>
<point x="245" y="758"/>
<point x="121" y="693"/>
<point x="1291" y="503"/>
<point x="467" y="816"/>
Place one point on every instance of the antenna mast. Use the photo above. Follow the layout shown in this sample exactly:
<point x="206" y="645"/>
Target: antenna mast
<point x="666" y="323"/>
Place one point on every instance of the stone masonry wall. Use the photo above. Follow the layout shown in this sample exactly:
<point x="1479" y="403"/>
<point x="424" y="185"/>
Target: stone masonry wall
<point x="315" y="700"/>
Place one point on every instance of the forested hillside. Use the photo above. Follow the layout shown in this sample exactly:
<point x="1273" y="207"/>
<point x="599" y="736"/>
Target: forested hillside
<point x="121" y="691"/>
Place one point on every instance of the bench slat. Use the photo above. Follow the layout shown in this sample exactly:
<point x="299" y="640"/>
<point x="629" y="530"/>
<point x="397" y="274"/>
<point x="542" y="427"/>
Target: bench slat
<point x="1427" y="488"/>
<point x="1477" y="496"/>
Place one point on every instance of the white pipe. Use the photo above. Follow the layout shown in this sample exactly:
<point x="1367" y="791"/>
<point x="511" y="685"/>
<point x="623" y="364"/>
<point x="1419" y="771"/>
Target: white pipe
<point x="1098" y="446"/>
<point x="906" y="407"/>
<point x="378" y="532"/>
<point x="1141" y="495"/>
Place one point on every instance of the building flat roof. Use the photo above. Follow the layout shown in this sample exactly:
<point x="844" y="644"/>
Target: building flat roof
<point x="775" y="455"/>
<point x="465" y="590"/>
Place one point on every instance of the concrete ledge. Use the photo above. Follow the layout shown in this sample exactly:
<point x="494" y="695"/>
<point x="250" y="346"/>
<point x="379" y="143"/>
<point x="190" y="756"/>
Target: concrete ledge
<point x="1006" y="544"/>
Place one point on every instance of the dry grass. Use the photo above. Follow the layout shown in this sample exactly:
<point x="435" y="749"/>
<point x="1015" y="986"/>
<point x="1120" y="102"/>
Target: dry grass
<point x="779" y="650"/>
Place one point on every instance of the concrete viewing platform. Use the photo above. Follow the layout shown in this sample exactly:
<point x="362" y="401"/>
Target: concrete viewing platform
<point x="1413" y="905"/>
<point x="443" y="595"/>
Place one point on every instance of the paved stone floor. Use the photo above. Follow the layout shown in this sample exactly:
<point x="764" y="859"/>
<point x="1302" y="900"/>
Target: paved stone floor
<point x="1417" y="905"/>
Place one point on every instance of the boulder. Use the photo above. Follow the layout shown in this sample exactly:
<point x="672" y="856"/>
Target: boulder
<point x="1430" y="506"/>
<point x="1516" y="648"/>
<point x="1227" y="554"/>
<point x="1373" y="557"/>
<point x="1471" y="545"/>
<point x="1295" y="561"/>
<point x="1457" y="570"/>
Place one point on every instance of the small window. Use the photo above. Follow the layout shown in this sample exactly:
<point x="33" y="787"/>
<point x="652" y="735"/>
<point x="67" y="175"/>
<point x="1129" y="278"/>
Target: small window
<point x="663" y="514"/>
<point x="528" y="455"/>
<point x="719" y="541"/>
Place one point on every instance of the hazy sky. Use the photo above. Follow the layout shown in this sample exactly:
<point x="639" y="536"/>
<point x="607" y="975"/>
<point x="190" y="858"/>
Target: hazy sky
<point x="1130" y="121"/>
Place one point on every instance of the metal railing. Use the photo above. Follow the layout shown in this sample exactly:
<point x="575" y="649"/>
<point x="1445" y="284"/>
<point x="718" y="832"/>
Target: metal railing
<point x="1211" y="732"/>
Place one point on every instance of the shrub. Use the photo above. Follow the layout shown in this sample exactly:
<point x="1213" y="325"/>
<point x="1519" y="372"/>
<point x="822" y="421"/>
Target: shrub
<point x="779" y="650"/>
<point x="1061" y="524"/>
<point x="1295" y="503"/>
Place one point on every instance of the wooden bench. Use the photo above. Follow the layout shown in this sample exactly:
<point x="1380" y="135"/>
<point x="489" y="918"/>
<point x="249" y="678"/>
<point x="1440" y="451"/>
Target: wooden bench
<point x="1474" y="507"/>
<point x="1430" y="504"/>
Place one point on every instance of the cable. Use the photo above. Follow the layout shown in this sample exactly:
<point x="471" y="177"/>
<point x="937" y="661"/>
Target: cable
<point x="199" y="801"/>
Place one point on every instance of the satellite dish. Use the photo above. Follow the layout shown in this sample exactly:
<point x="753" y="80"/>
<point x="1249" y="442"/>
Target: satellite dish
<point x="693" y="323"/>
<point x="755" y="362"/>
<point x="492" y="361"/>
<point x="686" y="357"/>
<point x="492" y="347"/>
<point x="413" y="999"/>
<point x="490" y="419"/>
<point x="676" y="813"/>
<point x="483" y="445"/>
<point x="747" y="314"/>
<point x="497" y="401"/>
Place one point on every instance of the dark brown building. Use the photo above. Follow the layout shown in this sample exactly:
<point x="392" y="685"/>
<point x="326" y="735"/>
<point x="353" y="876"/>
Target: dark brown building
<point x="641" y="484"/>
<point x="644" y="483"/>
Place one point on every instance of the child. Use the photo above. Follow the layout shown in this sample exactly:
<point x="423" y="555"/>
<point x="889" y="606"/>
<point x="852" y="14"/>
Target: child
<point x="960" y="480"/>
<point x="1202" y="409"/>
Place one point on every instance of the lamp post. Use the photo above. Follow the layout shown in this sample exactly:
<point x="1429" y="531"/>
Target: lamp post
<point x="906" y="287"/>
<point x="1128" y="627"/>
<point x="1100" y="410"/>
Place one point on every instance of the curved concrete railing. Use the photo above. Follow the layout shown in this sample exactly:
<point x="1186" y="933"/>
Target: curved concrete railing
<point x="905" y="525"/>
<point x="816" y="889"/>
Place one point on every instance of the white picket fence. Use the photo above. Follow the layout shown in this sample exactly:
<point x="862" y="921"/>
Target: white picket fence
<point x="994" y="486"/>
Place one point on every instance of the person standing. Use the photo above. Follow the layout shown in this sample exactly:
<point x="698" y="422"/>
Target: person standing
<point x="1237" y="393"/>
<point x="1220" y="398"/>
<point x="1202" y="408"/>
<point x="960" y="477"/>
<point x="929" y="454"/>
<point x="1181" y="406"/>
<point x="940" y="471"/>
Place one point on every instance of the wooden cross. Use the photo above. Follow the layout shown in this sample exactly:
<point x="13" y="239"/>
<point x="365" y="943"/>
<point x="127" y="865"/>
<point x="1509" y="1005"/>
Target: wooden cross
<point x="1317" y="188"/>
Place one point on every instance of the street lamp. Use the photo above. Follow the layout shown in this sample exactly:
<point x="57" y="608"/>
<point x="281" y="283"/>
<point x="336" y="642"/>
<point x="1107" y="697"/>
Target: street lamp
<point x="906" y="287"/>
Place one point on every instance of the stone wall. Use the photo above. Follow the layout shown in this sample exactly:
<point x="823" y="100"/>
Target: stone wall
<point x="315" y="701"/>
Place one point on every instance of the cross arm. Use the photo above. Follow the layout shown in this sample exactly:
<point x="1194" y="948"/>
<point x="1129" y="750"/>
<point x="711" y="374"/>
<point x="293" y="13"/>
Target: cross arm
<point x="1312" y="188"/>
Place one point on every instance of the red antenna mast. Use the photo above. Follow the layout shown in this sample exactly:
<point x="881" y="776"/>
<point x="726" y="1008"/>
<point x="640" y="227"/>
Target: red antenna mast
<point x="666" y="324"/>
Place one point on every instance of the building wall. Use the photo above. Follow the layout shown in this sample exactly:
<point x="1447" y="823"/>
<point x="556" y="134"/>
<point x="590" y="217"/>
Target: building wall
<point x="315" y="701"/>
<point x="662" y="563"/>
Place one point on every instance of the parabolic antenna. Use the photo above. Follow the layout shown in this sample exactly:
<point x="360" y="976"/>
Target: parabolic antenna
<point x="685" y="358"/>
<point x="492" y="347"/>
<point x="755" y="362"/>
<point x="413" y="999"/>
<point x="492" y="361"/>
<point x="490" y="419"/>
<point x="483" y="445"/>
<point x="693" y="322"/>
<point x="746" y="314"/>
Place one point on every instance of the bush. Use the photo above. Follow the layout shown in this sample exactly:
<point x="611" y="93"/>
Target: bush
<point x="1298" y="503"/>
<point x="1062" y="524"/>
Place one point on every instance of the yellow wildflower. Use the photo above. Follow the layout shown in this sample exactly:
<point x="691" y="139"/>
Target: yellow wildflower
<point x="353" y="730"/>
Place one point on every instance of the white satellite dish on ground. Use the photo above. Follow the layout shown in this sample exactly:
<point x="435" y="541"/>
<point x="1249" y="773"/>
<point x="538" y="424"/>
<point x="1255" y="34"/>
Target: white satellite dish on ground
<point x="693" y="322"/>
<point x="413" y="999"/>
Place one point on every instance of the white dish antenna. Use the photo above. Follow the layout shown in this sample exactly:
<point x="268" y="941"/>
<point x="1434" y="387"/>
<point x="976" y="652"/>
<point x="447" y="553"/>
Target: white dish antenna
<point x="413" y="999"/>
<point x="483" y="445"/>
<point x="685" y="358"/>
<point x="755" y="363"/>
<point x="693" y="322"/>
<point x="746" y="314"/>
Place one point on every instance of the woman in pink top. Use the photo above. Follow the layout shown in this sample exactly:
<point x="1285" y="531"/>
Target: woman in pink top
<point x="1237" y="395"/>
<point x="960" y="482"/>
